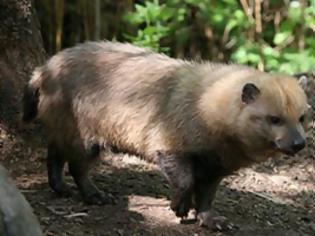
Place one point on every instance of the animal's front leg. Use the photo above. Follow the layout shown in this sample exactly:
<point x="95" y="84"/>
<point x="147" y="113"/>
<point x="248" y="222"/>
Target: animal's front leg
<point x="205" y="193"/>
<point x="179" y="172"/>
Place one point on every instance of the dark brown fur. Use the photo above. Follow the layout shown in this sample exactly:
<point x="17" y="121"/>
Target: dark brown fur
<point x="196" y="121"/>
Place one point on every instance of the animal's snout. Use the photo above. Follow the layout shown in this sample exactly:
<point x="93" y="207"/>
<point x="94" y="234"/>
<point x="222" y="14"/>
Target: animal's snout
<point x="298" y="144"/>
<point x="290" y="147"/>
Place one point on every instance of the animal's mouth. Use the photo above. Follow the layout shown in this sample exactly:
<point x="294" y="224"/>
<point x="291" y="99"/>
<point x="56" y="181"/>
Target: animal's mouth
<point x="286" y="151"/>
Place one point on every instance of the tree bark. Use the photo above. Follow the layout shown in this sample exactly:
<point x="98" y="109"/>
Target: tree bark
<point x="97" y="9"/>
<point x="59" y="12"/>
<point x="21" y="49"/>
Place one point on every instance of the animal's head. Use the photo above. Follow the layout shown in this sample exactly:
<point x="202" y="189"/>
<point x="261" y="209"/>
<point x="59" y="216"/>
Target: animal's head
<point x="274" y="115"/>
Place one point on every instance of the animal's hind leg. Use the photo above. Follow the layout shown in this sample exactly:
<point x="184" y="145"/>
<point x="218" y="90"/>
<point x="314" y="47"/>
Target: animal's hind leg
<point x="179" y="171"/>
<point x="79" y="169"/>
<point x="55" y="165"/>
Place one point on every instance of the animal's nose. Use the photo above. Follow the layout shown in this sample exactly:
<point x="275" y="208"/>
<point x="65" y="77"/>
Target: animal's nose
<point x="298" y="144"/>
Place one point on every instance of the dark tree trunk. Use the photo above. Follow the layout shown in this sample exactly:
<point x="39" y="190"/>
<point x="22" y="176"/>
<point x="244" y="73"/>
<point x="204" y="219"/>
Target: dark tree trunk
<point x="21" y="49"/>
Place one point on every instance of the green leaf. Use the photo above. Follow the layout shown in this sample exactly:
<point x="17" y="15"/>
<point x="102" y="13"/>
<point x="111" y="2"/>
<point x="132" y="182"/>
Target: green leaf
<point x="269" y="51"/>
<point x="295" y="14"/>
<point x="281" y="37"/>
<point x="254" y="58"/>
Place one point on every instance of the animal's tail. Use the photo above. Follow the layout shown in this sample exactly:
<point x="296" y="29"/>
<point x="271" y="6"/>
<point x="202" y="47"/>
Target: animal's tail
<point x="31" y="96"/>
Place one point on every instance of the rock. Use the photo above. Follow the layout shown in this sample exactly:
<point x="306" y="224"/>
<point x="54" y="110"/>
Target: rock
<point x="16" y="215"/>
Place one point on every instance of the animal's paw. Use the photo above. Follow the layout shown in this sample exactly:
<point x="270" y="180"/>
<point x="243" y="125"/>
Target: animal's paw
<point x="181" y="205"/>
<point x="62" y="190"/>
<point x="99" y="198"/>
<point x="215" y="223"/>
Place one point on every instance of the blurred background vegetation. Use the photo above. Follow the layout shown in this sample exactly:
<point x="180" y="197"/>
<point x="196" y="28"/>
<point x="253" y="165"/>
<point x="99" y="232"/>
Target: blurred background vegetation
<point x="272" y="35"/>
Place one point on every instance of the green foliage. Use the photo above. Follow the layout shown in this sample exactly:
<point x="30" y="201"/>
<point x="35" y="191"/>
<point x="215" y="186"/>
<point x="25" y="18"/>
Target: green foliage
<point x="273" y="36"/>
<point x="287" y="45"/>
<point x="153" y="15"/>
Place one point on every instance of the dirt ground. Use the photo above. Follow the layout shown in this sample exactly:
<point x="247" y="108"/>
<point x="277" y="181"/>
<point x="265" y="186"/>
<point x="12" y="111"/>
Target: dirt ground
<point x="274" y="198"/>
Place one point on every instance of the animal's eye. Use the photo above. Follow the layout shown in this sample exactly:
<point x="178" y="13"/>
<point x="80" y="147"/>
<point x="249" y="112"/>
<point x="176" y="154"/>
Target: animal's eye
<point x="275" y="120"/>
<point x="302" y="118"/>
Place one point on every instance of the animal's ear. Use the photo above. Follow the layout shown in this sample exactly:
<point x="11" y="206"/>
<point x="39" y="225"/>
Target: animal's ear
<point x="303" y="80"/>
<point x="250" y="93"/>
